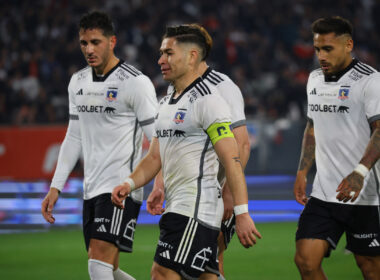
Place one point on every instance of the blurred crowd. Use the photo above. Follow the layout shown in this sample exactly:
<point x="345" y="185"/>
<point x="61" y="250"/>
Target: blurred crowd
<point x="265" y="47"/>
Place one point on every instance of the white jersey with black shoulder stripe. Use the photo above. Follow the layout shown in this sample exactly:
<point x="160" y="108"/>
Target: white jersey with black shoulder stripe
<point x="342" y="108"/>
<point x="111" y="111"/>
<point x="189" y="161"/>
<point x="230" y="92"/>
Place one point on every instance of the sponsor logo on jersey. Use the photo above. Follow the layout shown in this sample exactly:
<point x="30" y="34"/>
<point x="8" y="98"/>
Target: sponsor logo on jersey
<point x="325" y="108"/>
<point x="109" y="110"/>
<point x="343" y="93"/>
<point x="170" y="133"/>
<point x="313" y="92"/>
<point x="111" y="95"/>
<point x="95" y="109"/>
<point x="178" y="117"/>
<point x="80" y="92"/>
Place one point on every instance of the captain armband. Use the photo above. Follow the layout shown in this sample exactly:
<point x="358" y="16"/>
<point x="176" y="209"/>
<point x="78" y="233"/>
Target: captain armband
<point x="218" y="131"/>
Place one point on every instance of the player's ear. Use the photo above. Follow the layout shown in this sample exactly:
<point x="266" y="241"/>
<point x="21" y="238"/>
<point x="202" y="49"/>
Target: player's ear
<point x="349" y="44"/>
<point x="113" y="41"/>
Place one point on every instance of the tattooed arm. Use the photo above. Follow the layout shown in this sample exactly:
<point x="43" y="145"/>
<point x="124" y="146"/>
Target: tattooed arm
<point x="354" y="181"/>
<point x="306" y="162"/>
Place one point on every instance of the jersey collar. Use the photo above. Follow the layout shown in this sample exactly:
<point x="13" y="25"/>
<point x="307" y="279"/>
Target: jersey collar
<point x="96" y="78"/>
<point x="335" y="77"/>
<point x="205" y="74"/>
<point x="174" y="101"/>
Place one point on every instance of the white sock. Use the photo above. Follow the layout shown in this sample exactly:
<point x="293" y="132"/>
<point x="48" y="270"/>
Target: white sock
<point x="118" y="274"/>
<point x="220" y="277"/>
<point x="99" y="270"/>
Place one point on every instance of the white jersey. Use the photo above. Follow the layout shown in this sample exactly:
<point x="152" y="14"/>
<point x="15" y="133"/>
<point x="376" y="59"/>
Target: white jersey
<point x="111" y="111"/>
<point x="189" y="161"/>
<point x="231" y="93"/>
<point x="342" y="108"/>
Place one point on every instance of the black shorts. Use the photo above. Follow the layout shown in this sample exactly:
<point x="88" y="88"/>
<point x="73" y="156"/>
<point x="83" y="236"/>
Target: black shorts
<point x="328" y="221"/>
<point x="186" y="246"/>
<point x="228" y="229"/>
<point x="102" y="220"/>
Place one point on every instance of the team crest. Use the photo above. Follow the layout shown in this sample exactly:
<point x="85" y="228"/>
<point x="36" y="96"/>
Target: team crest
<point x="178" y="117"/>
<point x="343" y="93"/>
<point x="111" y="95"/>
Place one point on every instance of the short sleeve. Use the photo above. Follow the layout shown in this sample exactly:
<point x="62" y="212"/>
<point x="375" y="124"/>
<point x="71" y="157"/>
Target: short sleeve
<point x="372" y="98"/>
<point x="143" y="99"/>
<point x="211" y="109"/>
<point x="234" y="98"/>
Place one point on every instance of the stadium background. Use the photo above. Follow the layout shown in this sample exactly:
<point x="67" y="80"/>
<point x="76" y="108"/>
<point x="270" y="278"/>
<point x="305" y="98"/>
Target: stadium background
<point x="264" y="46"/>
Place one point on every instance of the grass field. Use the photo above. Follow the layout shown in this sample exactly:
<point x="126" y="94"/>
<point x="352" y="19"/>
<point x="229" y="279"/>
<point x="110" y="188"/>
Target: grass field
<point x="60" y="254"/>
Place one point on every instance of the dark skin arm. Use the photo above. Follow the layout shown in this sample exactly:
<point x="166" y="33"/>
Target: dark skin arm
<point x="306" y="162"/>
<point x="354" y="181"/>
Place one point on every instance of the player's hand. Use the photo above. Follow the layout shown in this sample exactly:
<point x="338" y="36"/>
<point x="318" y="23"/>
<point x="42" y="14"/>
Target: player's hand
<point x="299" y="188"/>
<point x="155" y="201"/>
<point x="120" y="193"/>
<point x="48" y="203"/>
<point x="228" y="205"/>
<point x="246" y="230"/>
<point x="350" y="187"/>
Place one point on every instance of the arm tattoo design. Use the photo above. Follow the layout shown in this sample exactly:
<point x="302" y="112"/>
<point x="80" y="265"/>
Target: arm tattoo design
<point x="308" y="148"/>
<point x="237" y="159"/>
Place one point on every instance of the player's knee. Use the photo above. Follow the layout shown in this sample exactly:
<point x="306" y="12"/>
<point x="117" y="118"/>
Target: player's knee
<point x="305" y="265"/>
<point x="156" y="273"/>
<point x="369" y="268"/>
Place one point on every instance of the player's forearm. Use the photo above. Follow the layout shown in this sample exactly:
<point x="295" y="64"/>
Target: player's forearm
<point x="148" y="167"/>
<point x="159" y="181"/>
<point x="228" y="155"/>
<point x="244" y="147"/>
<point x="308" y="149"/>
<point x="372" y="152"/>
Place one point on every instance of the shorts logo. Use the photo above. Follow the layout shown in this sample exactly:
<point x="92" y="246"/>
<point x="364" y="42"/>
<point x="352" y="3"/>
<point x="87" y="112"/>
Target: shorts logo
<point x="343" y="93"/>
<point x="165" y="254"/>
<point x="129" y="231"/>
<point x="201" y="258"/>
<point x="343" y="109"/>
<point x="102" y="228"/>
<point x="111" y="94"/>
<point x="178" y="117"/>
<point x="374" y="243"/>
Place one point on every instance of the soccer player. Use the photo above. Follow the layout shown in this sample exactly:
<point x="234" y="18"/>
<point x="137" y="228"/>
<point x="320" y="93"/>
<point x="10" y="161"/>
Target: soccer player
<point x="232" y="95"/>
<point x="191" y="131"/>
<point x="111" y="105"/>
<point x="342" y="136"/>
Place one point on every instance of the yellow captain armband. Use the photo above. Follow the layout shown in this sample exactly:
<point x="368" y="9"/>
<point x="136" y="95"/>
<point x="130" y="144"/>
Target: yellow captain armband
<point x="218" y="131"/>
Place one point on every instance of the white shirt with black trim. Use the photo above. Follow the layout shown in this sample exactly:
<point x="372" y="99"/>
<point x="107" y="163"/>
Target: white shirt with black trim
<point x="189" y="161"/>
<point x="108" y="116"/>
<point x="342" y="108"/>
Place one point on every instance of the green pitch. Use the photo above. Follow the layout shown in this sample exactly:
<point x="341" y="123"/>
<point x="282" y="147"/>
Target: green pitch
<point x="60" y="254"/>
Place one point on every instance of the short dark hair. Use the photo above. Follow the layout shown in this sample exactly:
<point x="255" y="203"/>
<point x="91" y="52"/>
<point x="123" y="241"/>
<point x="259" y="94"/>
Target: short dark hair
<point x="98" y="20"/>
<point x="191" y="33"/>
<point x="335" y="24"/>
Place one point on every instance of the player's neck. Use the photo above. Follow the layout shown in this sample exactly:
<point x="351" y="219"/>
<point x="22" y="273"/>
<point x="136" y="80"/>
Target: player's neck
<point x="184" y="81"/>
<point x="104" y="69"/>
